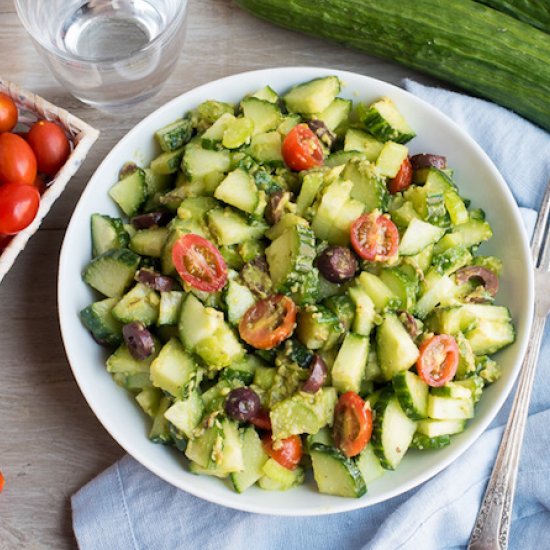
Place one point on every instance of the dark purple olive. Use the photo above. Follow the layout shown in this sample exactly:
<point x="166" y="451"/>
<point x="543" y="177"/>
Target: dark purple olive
<point x="155" y="280"/>
<point x="255" y="275"/>
<point x="426" y="160"/>
<point x="317" y="375"/>
<point x="337" y="264"/>
<point x="410" y="324"/>
<point x="242" y="404"/>
<point x="319" y="128"/>
<point x="139" y="340"/>
<point x="276" y="206"/>
<point x="487" y="278"/>
<point x="146" y="221"/>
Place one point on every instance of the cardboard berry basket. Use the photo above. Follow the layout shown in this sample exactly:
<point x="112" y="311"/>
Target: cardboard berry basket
<point x="81" y="136"/>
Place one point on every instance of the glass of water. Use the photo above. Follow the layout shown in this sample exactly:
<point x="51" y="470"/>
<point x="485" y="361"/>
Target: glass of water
<point x="107" y="53"/>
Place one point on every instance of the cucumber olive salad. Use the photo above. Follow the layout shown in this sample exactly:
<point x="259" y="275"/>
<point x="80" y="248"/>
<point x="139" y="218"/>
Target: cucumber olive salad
<point x="291" y="282"/>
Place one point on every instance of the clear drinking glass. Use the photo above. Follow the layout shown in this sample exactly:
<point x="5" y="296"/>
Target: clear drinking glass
<point x="107" y="53"/>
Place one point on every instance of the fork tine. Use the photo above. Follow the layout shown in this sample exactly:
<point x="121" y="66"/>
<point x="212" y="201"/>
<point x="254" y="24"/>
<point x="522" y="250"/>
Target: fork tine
<point x="540" y="247"/>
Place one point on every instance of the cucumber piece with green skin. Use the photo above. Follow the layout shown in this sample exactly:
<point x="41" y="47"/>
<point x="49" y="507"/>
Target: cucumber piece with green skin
<point x="312" y="183"/>
<point x="130" y="192"/>
<point x="208" y="112"/>
<point x="340" y="158"/>
<point x="99" y="320"/>
<point x="369" y="465"/>
<point x="238" y="298"/>
<point x="287" y="123"/>
<point x="451" y="260"/>
<point x="229" y="227"/>
<point x="196" y="469"/>
<point x="202" y="447"/>
<point x="198" y="163"/>
<point x="267" y="93"/>
<point x="439" y="289"/>
<point x="412" y="394"/>
<point x="333" y="199"/>
<point x="112" y="272"/>
<point x="243" y="370"/>
<point x="250" y="250"/>
<point x="141" y="304"/>
<point x="384" y="121"/>
<point x="167" y="163"/>
<point x="391" y="158"/>
<point x="197" y="322"/>
<point x="436" y="428"/>
<point x="487" y="337"/>
<point x="149" y="400"/>
<point x="278" y="478"/>
<point x="172" y="370"/>
<point x="149" y="242"/>
<point x="344" y="308"/>
<point x="392" y="431"/>
<point x="254" y="458"/>
<point x="313" y="96"/>
<point x="395" y="348"/>
<point x="318" y="327"/>
<point x="239" y="190"/>
<point x="468" y="234"/>
<point x="107" y="233"/>
<point x="373" y="372"/>
<point x="382" y="296"/>
<point x="264" y="377"/>
<point x="185" y="414"/>
<point x="336" y="114"/>
<point x="488" y="369"/>
<point x="195" y="208"/>
<point x="160" y="430"/>
<point x="456" y="207"/>
<point x="169" y="307"/>
<point x="403" y="215"/>
<point x="174" y="135"/>
<point x="369" y="186"/>
<point x="303" y="413"/>
<point x="238" y="133"/>
<point x="474" y="384"/>
<point x="402" y="284"/>
<point x="449" y="408"/>
<point x="265" y="148"/>
<point x="358" y="141"/>
<point x="288" y="221"/>
<point x="323" y="436"/>
<point x="418" y="236"/>
<point x="423" y="442"/>
<point x="364" y="311"/>
<point x="335" y="473"/>
<point x="132" y="382"/>
<point x="349" y="368"/>
<point x="265" y="115"/>
<point x="212" y="138"/>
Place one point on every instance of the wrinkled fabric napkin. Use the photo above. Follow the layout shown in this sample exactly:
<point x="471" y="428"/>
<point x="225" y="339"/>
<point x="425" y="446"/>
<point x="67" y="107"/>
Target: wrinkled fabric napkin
<point x="127" y="507"/>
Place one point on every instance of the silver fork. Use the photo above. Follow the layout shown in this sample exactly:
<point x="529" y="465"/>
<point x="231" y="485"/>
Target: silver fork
<point x="492" y="525"/>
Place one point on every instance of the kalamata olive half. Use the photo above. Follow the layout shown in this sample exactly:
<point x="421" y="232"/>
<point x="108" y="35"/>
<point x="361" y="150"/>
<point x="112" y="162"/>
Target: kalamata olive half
<point x="317" y="375"/>
<point x="488" y="279"/>
<point x="276" y="206"/>
<point x="139" y="340"/>
<point x="320" y="129"/>
<point x="337" y="264"/>
<point x="410" y="324"/>
<point x="155" y="280"/>
<point x="146" y="221"/>
<point x="426" y="160"/>
<point x="242" y="404"/>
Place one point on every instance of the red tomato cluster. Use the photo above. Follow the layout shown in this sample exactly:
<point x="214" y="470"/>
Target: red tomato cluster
<point x="27" y="161"/>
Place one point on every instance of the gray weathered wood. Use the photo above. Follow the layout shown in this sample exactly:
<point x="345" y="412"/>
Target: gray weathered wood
<point x="50" y="442"/>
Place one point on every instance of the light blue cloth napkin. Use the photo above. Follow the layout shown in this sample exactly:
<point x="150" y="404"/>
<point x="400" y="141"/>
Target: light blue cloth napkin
<point x="127" y="507"/>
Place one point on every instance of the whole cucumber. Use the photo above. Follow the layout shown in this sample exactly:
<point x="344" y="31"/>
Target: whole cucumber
<point x="463" y="42"/>
<point x="533" y="12"/>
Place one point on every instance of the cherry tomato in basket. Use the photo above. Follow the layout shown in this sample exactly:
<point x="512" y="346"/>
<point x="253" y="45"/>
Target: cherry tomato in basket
<point x="8" y="113"/>
<point x="302" y="149"/>
<point x="50" y="145"/>
<point x="17" y="160"/>
<point x="438" y="360"/>
<point x="287" y="452"/>
<point x="374" y="237"/>
<point x="18" y="206"/>
<point x="268" y="322"/>
<point x="199" y="263"/>
<point x="352" y="427"/>
<point x="403" y="178"/>
<point x="40" y="184"/>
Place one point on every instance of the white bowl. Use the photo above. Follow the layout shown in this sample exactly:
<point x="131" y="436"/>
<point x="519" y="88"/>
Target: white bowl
<point x="478" y="180"/>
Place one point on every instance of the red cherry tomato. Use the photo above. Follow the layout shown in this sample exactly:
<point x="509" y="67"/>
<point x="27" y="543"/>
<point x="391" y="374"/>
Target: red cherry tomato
<point x="268" y="322"/>
<point x="8" y="113"/>
<point x="50" y="145"/>
<point x="352" y="427"/>
<point x="40" y="184"/>
<point x="438" y="360"/>
<point x="199" y="263"/>
<point x="262" y="420"/>
<point x="18" y="207"/>
<point x="403" y="179"/>
<point x="17" y="160"/>
<point x="302" y="149"/>
<point x="374" y="237"/>
<point x="2" y="481"/>
<point x="287" y="452"/>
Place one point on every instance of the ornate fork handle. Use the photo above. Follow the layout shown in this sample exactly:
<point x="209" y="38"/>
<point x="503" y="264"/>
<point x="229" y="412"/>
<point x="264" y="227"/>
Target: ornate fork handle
<point x="492" y="525"/>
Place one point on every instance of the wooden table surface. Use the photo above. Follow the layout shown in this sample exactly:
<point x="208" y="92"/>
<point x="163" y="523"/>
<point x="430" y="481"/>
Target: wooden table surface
<point x="50" y="441"/>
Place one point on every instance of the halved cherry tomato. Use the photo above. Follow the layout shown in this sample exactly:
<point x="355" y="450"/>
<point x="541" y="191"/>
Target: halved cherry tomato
<point x="287" y="452"/>
<point x="403" y="179"/>
<point x="268" y="322"/>
<point x="2" y="481"/>
<point x="18" y="207"/>
<point x="302" y="149"/>
<point x="262" y="420"/>
<point x="352" y="427"/>
<point x="50" y="145"/>
<point x="17" y="160"/>
<point x="199" y="263"/>
<point x="374" y="237"/>
<point x="8" y="113"/>
<point x="438" y="360"/>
